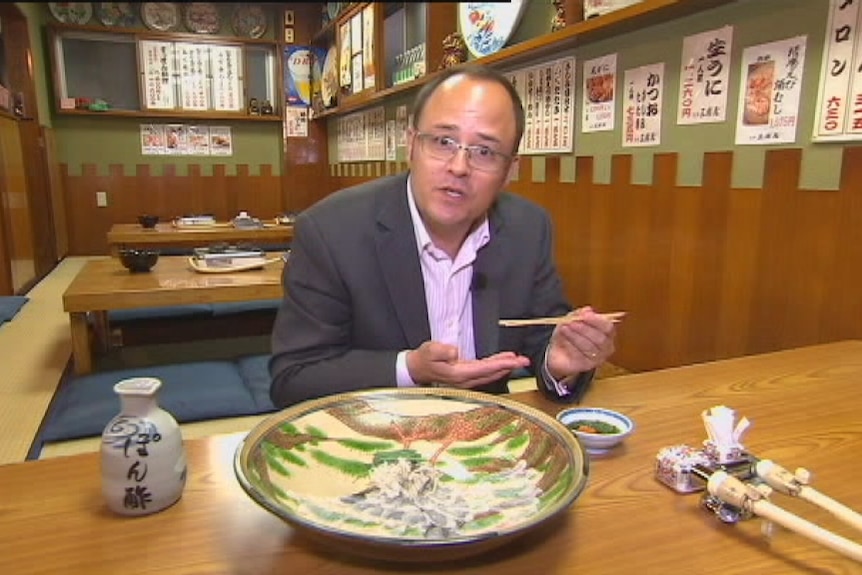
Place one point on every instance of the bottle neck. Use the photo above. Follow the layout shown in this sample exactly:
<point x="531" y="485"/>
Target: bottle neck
<point x="138" y="405"/>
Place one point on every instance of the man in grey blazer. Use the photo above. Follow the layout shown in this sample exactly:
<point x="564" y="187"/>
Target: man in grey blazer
<point x="402" y="281"/>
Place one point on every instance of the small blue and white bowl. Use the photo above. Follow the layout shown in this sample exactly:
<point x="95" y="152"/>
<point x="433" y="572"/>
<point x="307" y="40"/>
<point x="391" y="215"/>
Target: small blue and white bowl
<point x="596" y="442"/>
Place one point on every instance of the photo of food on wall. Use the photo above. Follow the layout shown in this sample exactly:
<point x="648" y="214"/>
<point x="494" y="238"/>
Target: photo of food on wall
<point x="758" y="93"/>
<point x="600" y="88"/>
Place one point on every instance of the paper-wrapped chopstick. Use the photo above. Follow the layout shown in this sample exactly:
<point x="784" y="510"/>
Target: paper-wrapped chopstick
<point x="796" y="485"/>
<point x="743" y="496"/>
<point x="615" y="317"/>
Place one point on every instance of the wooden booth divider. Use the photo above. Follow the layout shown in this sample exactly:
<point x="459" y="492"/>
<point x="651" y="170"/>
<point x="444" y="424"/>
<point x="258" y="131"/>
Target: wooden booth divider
<point x="706" y="272"/>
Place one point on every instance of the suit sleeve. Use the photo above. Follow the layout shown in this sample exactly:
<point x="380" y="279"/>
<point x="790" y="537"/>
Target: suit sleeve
<point x="548" y="300"/>
<point x="312" y="354"/>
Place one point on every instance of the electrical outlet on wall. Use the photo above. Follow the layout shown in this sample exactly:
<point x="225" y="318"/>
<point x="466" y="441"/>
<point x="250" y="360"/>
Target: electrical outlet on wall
<point x="102" y="199"/>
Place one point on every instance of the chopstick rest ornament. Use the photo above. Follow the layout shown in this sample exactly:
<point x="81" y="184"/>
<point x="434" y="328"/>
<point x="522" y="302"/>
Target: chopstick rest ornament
<point x="724" y="434"/>
<point x="738" y="485"/>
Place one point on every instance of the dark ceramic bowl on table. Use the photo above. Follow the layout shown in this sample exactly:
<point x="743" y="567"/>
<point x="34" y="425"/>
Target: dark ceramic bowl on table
<point x="136" y="260"/>
<point x="148" y="221"/>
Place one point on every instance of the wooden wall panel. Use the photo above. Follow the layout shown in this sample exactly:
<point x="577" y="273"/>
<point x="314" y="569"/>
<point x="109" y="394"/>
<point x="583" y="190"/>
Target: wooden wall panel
<point x="39" y="194"/>
<point x="166" y="195"/>
<point x="705" y="272"/>
<point x="18" y="224"/>
<point x="843" y="308"/>
<point x="55" y="185"/>
<point x="739" y="272"/>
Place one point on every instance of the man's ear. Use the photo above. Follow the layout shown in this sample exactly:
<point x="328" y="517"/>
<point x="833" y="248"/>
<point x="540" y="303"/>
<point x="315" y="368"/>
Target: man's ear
<point x="513" y="169"/>
<point x="411" y="139"/>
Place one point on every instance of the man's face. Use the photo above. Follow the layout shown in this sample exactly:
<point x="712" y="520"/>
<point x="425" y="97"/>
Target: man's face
<point x="450" y="193"/>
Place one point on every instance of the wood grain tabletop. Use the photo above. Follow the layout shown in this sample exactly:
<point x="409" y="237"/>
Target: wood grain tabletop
<point x="804" y="405"/>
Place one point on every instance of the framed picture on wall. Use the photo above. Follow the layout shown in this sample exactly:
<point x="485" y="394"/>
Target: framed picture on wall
<point x="344" y="75"/>
<point x="357" y="73"/>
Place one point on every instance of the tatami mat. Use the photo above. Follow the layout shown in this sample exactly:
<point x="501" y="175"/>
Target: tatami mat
<point x="35" y="348"/>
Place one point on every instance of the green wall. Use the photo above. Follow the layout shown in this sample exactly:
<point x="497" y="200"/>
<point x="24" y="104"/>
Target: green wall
<point x="755" y="22"/>
<point x="107" y="140"/>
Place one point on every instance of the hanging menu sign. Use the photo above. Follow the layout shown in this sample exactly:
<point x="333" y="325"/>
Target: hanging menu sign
<point x="548" y="95"/>
<point x="361" y="137"/>
<point x="704" y="77"/>
<point x="159" y="75"/>
<point x="226" y="78"/>
<point x="839" y="94"/>
<point x="191" y="76"/>
<point x="193" y="64"/>
<point x="771" y="81"/>
<point x="643" y="90"/>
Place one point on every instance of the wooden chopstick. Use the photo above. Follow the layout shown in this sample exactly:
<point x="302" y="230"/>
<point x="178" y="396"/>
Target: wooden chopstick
<point x="614" y="317"/>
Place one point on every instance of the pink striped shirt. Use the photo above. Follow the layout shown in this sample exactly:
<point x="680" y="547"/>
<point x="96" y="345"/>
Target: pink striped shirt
<point x="447" y="293"/>
<point x="447" y="289"/>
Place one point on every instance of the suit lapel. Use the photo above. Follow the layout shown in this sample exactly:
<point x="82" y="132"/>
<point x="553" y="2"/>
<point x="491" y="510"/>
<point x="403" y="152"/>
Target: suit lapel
<point x="399" y="260"/>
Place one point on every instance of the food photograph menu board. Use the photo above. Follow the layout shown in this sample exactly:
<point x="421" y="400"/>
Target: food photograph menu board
<point x="185" y="140"/>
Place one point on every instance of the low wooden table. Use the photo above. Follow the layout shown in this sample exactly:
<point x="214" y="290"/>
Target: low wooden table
<point x="104" y="284"/>
<point x="804" y="405"/>
<point x="167" y="235"/>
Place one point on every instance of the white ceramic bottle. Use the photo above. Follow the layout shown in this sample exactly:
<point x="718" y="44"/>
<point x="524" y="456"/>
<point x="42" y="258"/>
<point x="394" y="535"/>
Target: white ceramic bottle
<point x="143" y="459"/>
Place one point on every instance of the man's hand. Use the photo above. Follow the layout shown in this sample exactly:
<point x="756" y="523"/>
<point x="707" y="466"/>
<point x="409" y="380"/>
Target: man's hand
<point x="437" y="363"/>
<point x="581" y="345"/>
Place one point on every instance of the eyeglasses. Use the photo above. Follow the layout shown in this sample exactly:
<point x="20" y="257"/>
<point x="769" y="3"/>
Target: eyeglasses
<point x="479" y="157"/>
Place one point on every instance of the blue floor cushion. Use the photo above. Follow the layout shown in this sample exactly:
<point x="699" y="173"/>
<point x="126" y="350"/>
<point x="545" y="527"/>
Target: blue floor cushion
<point x="230" y="308"/>
<point x="193" y="391"/>
<point x="171" y="311"/>
<point x="254" y="370"/>
<point x="11" y="305"/>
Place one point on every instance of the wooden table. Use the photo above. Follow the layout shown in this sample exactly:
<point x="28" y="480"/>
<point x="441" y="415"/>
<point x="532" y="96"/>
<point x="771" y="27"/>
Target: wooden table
<point x="168" y="235"/>
<point x="104" y="284"/>
<point x="804" y="405"/>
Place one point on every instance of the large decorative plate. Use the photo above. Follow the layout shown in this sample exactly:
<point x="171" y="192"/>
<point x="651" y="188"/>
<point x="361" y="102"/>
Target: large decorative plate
<point x="250" y="21"/>
<point x="115" y="13"/>
<point x="202" y="17"/>
<point x="71" y="12"/>
<point x="487" y="26"/>
<point x="333" y="9"/>
<point x="161" y="16"/>
<point x="414" y="474"/>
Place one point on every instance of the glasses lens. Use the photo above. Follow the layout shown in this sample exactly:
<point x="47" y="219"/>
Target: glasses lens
<point x="440" y="148"/>
<point x="444" y="148"/>
<point x="484" y="159"/>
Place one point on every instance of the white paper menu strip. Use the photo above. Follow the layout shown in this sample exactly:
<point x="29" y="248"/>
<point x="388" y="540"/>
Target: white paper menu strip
<point x="193" y="63"/>
<point x="361" y="136"/>
<point x="159" y="74"/>
<point x="547" y="92"/>
<point x="839" y="93"/>
<point x="643" y="91"/>
<point x="226" y="66"/>
<point x="705" y="77"/>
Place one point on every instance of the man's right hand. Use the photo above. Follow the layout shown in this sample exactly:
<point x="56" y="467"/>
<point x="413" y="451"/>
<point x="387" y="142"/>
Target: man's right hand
<point x="434" y="363"/>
